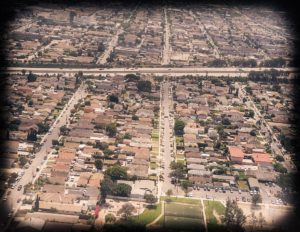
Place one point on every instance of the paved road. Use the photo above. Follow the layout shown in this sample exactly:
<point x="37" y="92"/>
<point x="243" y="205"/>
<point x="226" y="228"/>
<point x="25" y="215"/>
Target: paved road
<point x="158" y="71"/>
<point x="166" y="148"/>
<point x="167" y="48"/>
<point x="11" y="203"/>
<point x="167" y="140"/>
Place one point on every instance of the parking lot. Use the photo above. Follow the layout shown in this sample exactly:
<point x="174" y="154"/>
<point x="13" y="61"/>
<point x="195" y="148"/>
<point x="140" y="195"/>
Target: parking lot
<point x="268" y="194"/>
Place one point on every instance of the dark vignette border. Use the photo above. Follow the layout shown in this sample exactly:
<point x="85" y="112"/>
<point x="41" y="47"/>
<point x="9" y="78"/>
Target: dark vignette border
<point x="8" y="14"/>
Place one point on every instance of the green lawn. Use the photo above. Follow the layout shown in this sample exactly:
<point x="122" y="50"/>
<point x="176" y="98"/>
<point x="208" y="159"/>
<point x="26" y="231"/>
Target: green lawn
<point x="211" y="206"/>
<point x="180" y="156"/>
<point x="243" y="184"/>
<point x="183" y="210"/>
<point x="153" y="165"/>
<point x="183" y="214"/>
<point x="212" y="222"/>
<point x="183" y="200"/>
<point x="149" y="215"/>
<point x="183" y="224"/>
<point x="181" y="161"/>
<point x="179" y="141"/>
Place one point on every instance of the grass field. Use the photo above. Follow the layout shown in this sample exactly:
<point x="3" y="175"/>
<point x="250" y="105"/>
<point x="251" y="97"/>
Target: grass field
<point x="183" y="224"/>
<point x="153" y="165"/>
<point x="213" y="208"/>
<point x="183" y="200"/>
<point x="182" y="214"/>
<point x="183" y="210"/>
<point x="149" y="215"/>
<point x="180" y="156"/>
<point x="243" y="184"/>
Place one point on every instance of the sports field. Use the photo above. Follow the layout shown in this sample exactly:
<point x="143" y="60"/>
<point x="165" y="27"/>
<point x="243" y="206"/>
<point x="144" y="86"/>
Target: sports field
<point x="183" y="217"/>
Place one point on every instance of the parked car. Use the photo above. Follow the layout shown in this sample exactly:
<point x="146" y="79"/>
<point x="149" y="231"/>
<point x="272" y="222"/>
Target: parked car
<point x="19" y="187"/>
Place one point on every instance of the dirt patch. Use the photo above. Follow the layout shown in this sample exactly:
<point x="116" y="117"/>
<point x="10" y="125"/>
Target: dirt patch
<point x="217" y="216"/>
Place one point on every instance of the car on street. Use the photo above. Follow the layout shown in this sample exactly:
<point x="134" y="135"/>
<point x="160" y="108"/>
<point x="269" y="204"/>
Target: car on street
<point x="19" y="187"/>
<point x="244" y="199"/>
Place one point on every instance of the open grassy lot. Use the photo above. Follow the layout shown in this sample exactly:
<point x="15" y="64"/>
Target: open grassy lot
<point x="149" y="215"/>
<point x="182" y="200"/>
<point x="183" y="210"/>
<point x="183" y="224"/>
<point x="213" y="208"/>
<point x="214" y="212"/>
<point x="180" y="156"/>
<point x="153" y="165"/>
<point x="243" y="185"/>
<point x="179" y="141"/>
<point x="183" y="214"/>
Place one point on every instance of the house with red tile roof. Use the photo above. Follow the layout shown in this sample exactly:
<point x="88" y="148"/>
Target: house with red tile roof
<point x="236" y="154"/>
<point x="262" y="159"/>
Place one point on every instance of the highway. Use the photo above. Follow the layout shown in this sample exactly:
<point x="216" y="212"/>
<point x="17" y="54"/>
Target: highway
<point x="157" y="71"/>
<point x="11" y="205"/>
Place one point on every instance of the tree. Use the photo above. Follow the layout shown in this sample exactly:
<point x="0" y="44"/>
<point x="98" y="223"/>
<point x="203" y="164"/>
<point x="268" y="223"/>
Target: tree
<point x="23" y="72"/>
<point x="113" y="98"/>
<point x="279" y="158"/>
<point x="101" y="47"/>
<point x="278" y="167"/>
<point x="132" y="77"/>
<point x="116" y="172"/>
<point x="37" y="203"/>
<point x="249" y="113"/>
<point x="253" y="222"/>
<point x="185" y="186"/>
<point x="122" y="190"/>
<point x="31" y="77"/>
<point x="261" y="220"/>
<point x="135" y="117"/>
<point x="32" y="135"/>
<point x="286" y="181"/>
<point x="63" y="129"/>
<point x="23" y="160"/>
<point x="111" y="129"/>
<point x="126" y="210"/>
<point x="98" y="164"/>
<point x="127" y="136"/>
<point x="106" y="187"/>
<point x="150" y="198"/>
<point x="253" y="133"/>
<point x="234" y="217"/>
<point x="55" y="142"/>
<point x="72" y="15"/>
<point x="169" y="192"/>
<point x="226" y="121"/>
<point x="248" y="90"/>
<point x="179" y="127"/>
<point x="43" y="128"/>
<point x="178" y="170"/>
<point x="256" y="198"/>
<point x="144" y="86"/>
<point x="110" y="218"/>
